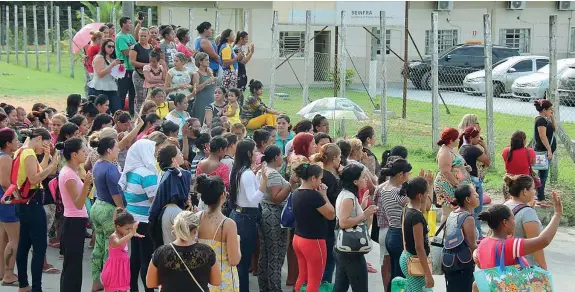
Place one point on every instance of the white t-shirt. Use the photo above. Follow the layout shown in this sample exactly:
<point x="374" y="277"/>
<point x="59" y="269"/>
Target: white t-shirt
<point x="345" y="194"/>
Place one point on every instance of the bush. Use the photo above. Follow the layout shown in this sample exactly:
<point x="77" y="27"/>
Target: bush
<point x="349" y="75"/>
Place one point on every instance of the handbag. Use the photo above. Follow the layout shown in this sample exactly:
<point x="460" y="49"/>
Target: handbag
<point x="456" y="254"/>
<point x="536" y="179"/>
<point x="287" y="219"/>
<point x="186" y="266"/>
<point x="374" y="235"/>
<point x="512" y="278"/>
<point x="541" y="161"/>
<point x="414" y="265"/>
<point x="354" y="240"/>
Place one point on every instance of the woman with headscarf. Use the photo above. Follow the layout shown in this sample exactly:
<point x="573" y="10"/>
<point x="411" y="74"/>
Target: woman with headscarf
<point x="139" y="182"/>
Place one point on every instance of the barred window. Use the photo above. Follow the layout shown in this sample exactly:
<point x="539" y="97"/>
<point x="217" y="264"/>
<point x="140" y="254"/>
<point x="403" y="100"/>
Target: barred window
<point x="572" y="40"/>
<point x="376" y="42"/>
<point x="446" y="38"/>
<point x="518" y="38"/>
<point x="290" y="42"/>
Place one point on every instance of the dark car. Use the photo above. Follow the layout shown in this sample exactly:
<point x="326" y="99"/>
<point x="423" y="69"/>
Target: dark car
<point x="454" y="64"/>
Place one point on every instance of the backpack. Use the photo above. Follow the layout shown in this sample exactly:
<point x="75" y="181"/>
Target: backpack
<point x="456" y="253"/>
<point x="519" y="208"/>
<point x="15" y="195"/>
<point x="287" y="218"/>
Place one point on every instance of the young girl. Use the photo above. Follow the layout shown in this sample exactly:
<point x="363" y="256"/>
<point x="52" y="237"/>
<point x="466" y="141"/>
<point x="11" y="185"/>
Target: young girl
<point x="233" y="111"/>
<point x="154" y="72"/>
<point x="116" y="272"/>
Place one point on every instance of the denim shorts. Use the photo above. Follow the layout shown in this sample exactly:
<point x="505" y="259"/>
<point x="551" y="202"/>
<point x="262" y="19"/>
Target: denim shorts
<point x="8" y="214"/>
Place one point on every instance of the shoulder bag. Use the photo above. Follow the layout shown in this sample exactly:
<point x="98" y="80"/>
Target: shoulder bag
<point x="541" y="161"/>
<point x="354" y="240"/>
<point x="535" y="177"/>
<point x="186" y="266"/>
<point x="414" y="265"/>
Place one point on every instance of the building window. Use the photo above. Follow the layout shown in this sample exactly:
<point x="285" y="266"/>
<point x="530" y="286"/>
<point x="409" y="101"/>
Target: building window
<point x="572" y="40"/>
<point x="518" y="38"/>
<point x="290" y="42"/>
<point x="446" y="38"/>
<point x="376" y="42"/>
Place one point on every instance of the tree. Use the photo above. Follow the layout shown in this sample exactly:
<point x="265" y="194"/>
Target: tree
<point x="106" y="8"/>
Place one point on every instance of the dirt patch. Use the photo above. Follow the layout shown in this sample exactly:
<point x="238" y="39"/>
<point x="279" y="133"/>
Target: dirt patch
<point x="55" y="101"/>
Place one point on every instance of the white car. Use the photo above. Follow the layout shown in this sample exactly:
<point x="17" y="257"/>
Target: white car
<point x="534" y="86"/>
<point x="504" y="73"/>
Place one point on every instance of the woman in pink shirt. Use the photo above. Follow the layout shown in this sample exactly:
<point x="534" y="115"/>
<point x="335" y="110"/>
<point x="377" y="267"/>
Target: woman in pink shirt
<point x="502" y="224"/>
<point x="154" y="72"/>
<point x="74" y="193"/>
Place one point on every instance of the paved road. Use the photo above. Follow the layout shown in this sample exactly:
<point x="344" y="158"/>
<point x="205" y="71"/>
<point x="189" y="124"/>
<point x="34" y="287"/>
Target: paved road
<point x="500" y="105"/>
<point x="560" y="259"/>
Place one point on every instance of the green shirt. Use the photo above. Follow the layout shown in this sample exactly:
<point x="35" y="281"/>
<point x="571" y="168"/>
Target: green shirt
<point x="124" y="41"/>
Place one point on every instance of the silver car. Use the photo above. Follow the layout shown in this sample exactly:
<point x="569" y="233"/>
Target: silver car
<point x="535" y="86"/>
<point x="566" y="87"/>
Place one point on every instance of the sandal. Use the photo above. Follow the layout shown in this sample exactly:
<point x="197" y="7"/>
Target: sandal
<point x="51" y="270"/>
<point x="371" y="269"/>
<point x="54" y="245"/>
<point x="543" y="204"/>
<point x="12" y="284"/>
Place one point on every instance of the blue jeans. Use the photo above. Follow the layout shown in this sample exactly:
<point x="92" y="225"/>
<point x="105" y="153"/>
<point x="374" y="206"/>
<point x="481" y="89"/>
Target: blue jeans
<point x="394" y="245"/>
<point x="543" y="174"/>
<point x="478" y="183"/>
<point x="247" y="223"/>
<point x="330" y="261"/>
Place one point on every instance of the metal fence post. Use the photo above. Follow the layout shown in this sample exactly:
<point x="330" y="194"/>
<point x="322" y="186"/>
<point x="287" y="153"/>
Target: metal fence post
<point x="149" y="17"/>
<point x="489" y="85"/>
<point x="58" y="48"/>
<point x="306" y="57"/>
<point x="553" y="96"/>
<point x="35" y="19"/>
<point x="114" y="19"/>
<point x="82" y="17"/>
<point x="25" y="35"/>
<point x="170" y="15"/>
<point x="1" y="33"/>
<point x="246" y="19"/>
<point x="435" y="82"/>
<point x="217" y="24"/>
<point x="342" y="57"/>
<point x="47" y="38"/>
<point x="274" y="60"/>
<point x="71" y="42"/>
<point x="7" y="34"/>
<point x="383" y="97"/>
<point x="98" y="14"/>
<point x="191" y="20"/>
<point x="16" y="37"/>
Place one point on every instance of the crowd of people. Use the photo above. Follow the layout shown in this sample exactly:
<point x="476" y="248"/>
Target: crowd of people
<point x="196" y="186"/>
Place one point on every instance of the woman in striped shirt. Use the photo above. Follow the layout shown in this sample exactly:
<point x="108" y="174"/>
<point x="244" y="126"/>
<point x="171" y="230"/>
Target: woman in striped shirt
<point x="139" y="182"/>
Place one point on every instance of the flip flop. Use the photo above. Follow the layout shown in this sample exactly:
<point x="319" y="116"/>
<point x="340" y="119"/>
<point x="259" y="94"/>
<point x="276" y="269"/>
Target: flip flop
<point x="371" y="269"/>
<point x="13" y="284"/>
<point x="51" y="270"/>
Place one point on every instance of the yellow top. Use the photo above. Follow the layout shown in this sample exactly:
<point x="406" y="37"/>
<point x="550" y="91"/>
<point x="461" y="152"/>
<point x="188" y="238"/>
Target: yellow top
<point x="235" y="118"/>
<point x="26" y="152"/>
<point x="163" y="110"/>
<point x="227" y="55"/>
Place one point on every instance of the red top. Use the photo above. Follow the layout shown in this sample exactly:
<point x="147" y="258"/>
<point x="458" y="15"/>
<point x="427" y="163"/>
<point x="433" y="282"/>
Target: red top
<point x="222" y="171"/>
<point x="92" y="51"/>
<point x="520" y="161"/>
<point x="514" y="249"/>
<point x="183" y="49"/>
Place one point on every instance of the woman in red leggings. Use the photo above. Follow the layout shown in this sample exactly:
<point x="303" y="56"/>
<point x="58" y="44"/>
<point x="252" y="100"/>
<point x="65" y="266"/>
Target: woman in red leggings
<point x="311" y="209"/>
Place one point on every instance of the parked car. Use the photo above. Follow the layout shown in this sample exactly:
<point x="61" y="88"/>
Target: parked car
<point x="566" y="86"/>
<point x="454" y="64"/>
<point x="535" y="86"/>
<point x="504" y="73"/>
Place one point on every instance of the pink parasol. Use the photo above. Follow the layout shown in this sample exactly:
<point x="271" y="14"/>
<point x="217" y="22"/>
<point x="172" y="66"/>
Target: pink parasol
<point x="83" y="37"/>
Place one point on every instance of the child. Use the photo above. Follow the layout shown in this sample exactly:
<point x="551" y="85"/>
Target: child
<point x="154" y="71"/>
<point x="233" y="111"/>
<point x="116" y="272"/>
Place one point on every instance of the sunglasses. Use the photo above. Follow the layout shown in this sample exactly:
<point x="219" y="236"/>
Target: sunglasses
<point x="110" y="47"/>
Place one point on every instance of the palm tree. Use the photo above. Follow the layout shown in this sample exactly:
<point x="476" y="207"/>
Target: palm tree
<point x="106" y="8"/>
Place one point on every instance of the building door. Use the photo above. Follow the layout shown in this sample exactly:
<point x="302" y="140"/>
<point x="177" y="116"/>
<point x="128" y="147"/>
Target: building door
<point x="322" y="56"/>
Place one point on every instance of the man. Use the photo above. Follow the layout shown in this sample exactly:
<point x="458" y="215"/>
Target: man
<point x="124" y="41"/>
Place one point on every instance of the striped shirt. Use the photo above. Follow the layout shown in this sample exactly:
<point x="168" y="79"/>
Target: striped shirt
<point x="142" y="185"/>
<point x="390" y="205"/>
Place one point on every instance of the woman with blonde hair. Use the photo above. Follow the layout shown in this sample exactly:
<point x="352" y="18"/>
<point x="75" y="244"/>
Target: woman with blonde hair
<point x="149" y="107"/>
<point x="184" y="262"/>
<point x="471" y="120"/>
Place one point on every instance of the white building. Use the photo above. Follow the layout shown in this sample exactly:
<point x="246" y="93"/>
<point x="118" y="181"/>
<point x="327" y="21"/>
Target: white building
<point x="520" y="24"/>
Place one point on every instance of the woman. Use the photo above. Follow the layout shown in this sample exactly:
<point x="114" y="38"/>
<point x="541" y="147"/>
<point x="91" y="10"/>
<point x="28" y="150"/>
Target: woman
<point x="172" y="195"/>
<point x="230" y="150"/>
<point x="203" y="44"/>
<point x="183" y="37"/>
<point x="453" y="171"/>
<point x="184" y="262"/>
<point x="105" y="30"/>
<point x="459" y="277"/>
<point x="216" y="109"/>
<point x="255" y="114"/>
<point x="151" y="122"/>
<point x="158" y="95"/>
<point x="303" y="126"/>
<point x="240" y="46"/>
<point x="149" y="107"/>
<point x="367" y="137"/>
<point x="74" y="193"/>
<point x="390" y="203"/>
<point x="73" y="103"/>
<point x="229" y="59"/>
<point x="518" y="158"/>
<point x="82" y="123"/>
<point x="246" y="192"/>
<point x="154" y="72"/>
<point x="469" y="120"/>
<point x="168" y="46"/>
<point x="320" y="124"/>
<point x="103" y="81"/>
<point x="218" y="232"/>
<point x="330" y="158"/>
<point x="67" y="131"/>
<point x="474" y="156"/>
<point x="502" y="224"/>
<point x="179" y="115"/>
<point x="203" y="147"/>
<point x="522" y="191"/>
<point x="415" y="230"/>
<point x="100" y="122"/>
<point x="351" y="268"/>
<point x="33" y="225"/>
<point x="154" y="39"/>
<point x="545" y="128"/>
<point x="9" y="221"/>
<point x="179" y="78"/>
<point x="102" y="104"/>
<point x="139" y="58"/>
<point x="139" y="181"/>
<point x="58" y="120"/>
<point x="311" y="210"/>
<point x="304" y="147"/>
<point x="213" y="164"/>
<point x="263" y="139"/>
<point x="284" y="133"/>
<point x="96" y="38"/>
<point x="205" y="85"/>
<point x="110" y="196"/>
<point x="273" y="245"/>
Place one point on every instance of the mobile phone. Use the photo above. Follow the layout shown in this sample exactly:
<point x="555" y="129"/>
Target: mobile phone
<point x="121" y="61"/>
<point x="140" y="15"/>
